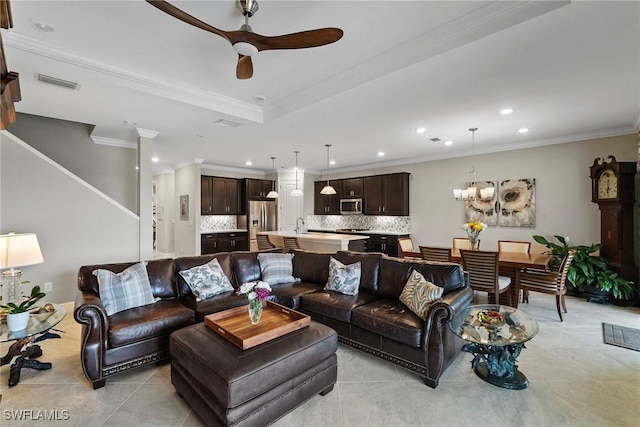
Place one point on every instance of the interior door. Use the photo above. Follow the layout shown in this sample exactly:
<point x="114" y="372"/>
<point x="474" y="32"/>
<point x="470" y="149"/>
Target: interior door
<point x="291" y="208"/>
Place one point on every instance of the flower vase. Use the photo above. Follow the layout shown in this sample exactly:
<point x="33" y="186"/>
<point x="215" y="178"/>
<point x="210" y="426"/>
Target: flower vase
<point x="474" y="244"/>
<point x="255" y="310"/>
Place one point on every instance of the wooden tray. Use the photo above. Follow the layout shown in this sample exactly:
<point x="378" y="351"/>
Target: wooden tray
<point x="235" y="326"/>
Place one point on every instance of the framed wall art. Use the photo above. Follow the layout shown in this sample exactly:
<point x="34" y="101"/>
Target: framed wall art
<point x="482" y="210"/>
<point x="517" y="203"/>
<point x="184" y="207"/>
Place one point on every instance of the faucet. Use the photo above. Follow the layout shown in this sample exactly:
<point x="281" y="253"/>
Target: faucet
<point x="298" y="228"/>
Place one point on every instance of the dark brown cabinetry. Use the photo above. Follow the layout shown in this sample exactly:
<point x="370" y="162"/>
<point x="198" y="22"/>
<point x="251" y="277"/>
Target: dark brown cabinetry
<point x="385" y="243"/>
<point x="386" y="194"/>
<point x="219" y="196"/>
<point x="352" y="188"/>
<point x="327" y="204"/>
<point x="258" y="188"/>
<point x="212" y="243"/>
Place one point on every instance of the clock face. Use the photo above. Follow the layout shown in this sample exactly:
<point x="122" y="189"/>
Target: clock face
<point x="607" y="185"/>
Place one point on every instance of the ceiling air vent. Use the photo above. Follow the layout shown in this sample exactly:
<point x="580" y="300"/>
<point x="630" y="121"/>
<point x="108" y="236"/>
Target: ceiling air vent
<point x="56" y="81"/>
<point x="228" y="123"/>
<point x="435" y="140"/>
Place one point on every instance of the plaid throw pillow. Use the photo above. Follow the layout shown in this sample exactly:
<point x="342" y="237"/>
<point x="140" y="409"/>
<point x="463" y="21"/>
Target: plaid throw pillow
<point x="206" y="281"/>
<point x="418" y="293"/>
<point x="276" y="268"/>
<point x="127" y="289"/>
<point x="344" y="278"/>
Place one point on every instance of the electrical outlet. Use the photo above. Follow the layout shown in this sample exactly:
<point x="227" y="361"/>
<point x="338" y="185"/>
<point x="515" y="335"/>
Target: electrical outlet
<point x="48" y="286"/>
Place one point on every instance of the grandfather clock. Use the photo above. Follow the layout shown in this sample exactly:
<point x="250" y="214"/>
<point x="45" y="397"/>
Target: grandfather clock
<point x="612" y="188"/>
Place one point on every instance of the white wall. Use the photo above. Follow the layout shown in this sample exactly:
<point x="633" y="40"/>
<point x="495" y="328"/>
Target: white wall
<point x="563" y="190"/>
<point x="187" y="232"/>
<point x="75" y="223"/>
<point x="165" y="213"/>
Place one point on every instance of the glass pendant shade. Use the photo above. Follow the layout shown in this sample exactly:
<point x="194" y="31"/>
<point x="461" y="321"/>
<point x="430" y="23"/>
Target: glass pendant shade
<point x="328" y="190"/>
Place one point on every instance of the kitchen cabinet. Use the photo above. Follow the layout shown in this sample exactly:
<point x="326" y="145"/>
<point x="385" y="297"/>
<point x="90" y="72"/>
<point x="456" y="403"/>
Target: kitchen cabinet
<point x="259" y="187"/>
<point x="219" y="196"/>
<point x="385" y="243"/>
<point x="386" y="194"/>
<point x="352" y="188"/>
<point x="212" y="243"/>
<point x="324" y="204"/>
<point x="208" y="243"/>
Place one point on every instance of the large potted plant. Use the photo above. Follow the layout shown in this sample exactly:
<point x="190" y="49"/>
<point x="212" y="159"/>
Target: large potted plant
<point x="18" y="314"/>
<point x="588" y="272"/>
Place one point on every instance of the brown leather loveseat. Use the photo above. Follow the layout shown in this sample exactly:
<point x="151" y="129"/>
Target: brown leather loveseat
<point x="374" y="320"/>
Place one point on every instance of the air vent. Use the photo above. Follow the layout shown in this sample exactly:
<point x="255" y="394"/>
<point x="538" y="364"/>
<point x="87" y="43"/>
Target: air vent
<point x="228" y="123"/>
<point x="435" y="140"/>
<point x="56" y="81"/>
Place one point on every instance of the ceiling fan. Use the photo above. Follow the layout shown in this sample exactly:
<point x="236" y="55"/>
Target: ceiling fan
<point x="246" y="42"/>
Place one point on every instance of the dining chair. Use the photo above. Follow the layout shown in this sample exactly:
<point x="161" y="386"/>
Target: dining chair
<point x="548" y="282"/>
<point x="291" y="243"/>
<point x="482" y="267"/>
<point x="264" y="242"/>
<point x="514" y="246"/>
<point x="431" y="253"/>
<point x="463" y="243"/>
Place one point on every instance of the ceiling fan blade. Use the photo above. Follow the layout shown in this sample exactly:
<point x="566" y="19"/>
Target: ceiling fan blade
<point x="301" y="40"/>
<point x="244" y="69"/>
<point x="185" y="17"/>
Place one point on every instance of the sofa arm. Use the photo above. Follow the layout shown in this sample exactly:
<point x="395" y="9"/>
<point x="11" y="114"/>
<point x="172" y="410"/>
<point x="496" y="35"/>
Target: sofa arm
<point x="91" y="314"/>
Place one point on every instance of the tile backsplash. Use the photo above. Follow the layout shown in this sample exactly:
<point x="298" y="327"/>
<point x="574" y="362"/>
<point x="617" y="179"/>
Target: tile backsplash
<point x="400" y="224"/>
<point x="210" y="223"/>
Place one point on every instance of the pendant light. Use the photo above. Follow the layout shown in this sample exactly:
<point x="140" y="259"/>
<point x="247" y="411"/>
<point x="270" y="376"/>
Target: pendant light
<point x="296" y="192"/>
<point x="471" y="193"/>
<point x="273" y="194"/>
<point x="328" y="189"/>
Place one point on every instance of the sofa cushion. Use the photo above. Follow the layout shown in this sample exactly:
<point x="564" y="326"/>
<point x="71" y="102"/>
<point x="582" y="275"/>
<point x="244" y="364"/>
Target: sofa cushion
<point x="333" y="304"/>
<point x="127" y="289"/>
<point x="290" y="294"/>
<point x="276" y="268"/>
<point x="343" y="278"/>
<point x="206" y="281"/>
<point x="246" y="267"/>
<point x="311" y="266"/>
<point x="142" y="323"/>
<point x="391" y="319"/>
<point x="419" y="293"/>
<point x="394" y="273"/>
<point x="214" y="304"/>
<point x="185" y="263"/>
<point x="370" y="265"/>
<point x="449" y="276"/>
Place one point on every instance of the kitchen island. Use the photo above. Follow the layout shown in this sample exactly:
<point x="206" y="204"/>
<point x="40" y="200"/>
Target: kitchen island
<point x="322" y="242"/>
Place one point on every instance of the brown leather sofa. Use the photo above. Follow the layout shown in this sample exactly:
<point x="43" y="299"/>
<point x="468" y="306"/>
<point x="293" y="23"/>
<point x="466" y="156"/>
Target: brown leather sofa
<point x="374" y="321"/>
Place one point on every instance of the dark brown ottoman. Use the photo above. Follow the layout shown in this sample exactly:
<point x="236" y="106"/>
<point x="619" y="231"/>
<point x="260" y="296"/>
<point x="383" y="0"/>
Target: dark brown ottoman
<point x="228" y="386"/>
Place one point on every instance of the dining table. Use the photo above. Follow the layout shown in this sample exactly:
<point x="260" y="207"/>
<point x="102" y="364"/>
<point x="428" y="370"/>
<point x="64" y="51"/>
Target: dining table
<point x="510" y="264"/>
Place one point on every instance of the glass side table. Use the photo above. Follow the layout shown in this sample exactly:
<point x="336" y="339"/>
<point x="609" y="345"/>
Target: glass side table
<point x="496" y="335"/>
<point x="23" y="353"/>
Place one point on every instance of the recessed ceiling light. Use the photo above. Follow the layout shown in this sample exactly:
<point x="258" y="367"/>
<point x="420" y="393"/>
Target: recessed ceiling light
<point x="248" y="163"/>
<point x="506" y="111"/>
<point x="380" y="153"/>
<point x="332" y="162"/>
<point x="421" y="130"/>
<point x="523" y="130"/>
<point x="448" y="142"/>
<point x="155" y="159"/>
<point x="40" y="26"/>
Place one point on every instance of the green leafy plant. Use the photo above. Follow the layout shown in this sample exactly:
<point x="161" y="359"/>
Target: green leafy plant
<point x="587" y="269"/>
<point x="25" y="305"/>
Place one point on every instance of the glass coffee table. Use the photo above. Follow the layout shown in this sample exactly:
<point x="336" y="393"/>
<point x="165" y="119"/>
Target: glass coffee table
<point x="23" y="353"/>
<point x="496" y="335"/>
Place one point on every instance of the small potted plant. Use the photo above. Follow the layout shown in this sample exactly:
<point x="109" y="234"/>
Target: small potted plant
<point x="18" y="314"/>
<point x="587" y="272"/>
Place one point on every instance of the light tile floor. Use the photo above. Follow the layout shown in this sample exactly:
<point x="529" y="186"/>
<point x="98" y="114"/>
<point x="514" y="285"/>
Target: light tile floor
<point x="575" y="380"/>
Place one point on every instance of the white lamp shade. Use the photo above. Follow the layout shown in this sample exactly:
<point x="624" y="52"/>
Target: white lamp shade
<point x="328" y="190"/>
<point x="472" y="191"/>
<point x="457" y="193"/>
<point x="486" y="193"/>
<point x="296" y="193"/>
<point x="464" y="194"/>
<point x="273" y="194"/>
<point x="19" y="250"/>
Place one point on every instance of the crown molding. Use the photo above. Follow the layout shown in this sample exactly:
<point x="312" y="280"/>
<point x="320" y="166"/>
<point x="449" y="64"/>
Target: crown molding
<point x="101" y="140"/>
<point x="141" y="82"/>
<point x="146" y="133"/>
<point x="495" y="16"/>
<point x="233" y="169"/>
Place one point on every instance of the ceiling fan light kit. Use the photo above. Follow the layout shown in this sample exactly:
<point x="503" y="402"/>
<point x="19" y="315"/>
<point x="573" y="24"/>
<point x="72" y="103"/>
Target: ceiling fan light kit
<point x="247" y="43"/>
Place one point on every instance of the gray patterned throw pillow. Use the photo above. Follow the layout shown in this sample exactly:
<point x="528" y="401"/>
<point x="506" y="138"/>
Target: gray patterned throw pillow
<point x="128" y="289"/>
<point x="418" y="293"/>
<point x="276" y="268"/>
<point x="206" y="281"/>
<point x="343" y="278"/>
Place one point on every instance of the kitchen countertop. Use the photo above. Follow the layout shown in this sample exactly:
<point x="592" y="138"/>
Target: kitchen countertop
<point x="238" y="230"/>
<point x="333" y="230"/>
<point x="326" y="242"/>
<point x="316" y="236"/>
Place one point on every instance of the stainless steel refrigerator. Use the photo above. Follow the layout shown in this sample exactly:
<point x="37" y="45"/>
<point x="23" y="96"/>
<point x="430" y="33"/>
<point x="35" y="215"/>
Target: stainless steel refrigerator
<point x="263" y="216"/>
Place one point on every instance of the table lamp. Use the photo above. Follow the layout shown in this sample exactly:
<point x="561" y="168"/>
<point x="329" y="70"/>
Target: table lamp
<point x="16" y="250"/>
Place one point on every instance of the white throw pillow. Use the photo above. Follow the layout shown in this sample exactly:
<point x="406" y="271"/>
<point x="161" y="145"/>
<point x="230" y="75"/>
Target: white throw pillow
<point x="418" y="293"/>
<point x="344" y="278"/>
<point x="127" y="289"/>
<point x="208" y="280"/>
<point x="276" y="268"/>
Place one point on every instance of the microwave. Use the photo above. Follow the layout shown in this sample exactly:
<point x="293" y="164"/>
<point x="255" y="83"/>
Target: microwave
<point x="350" y="206"/>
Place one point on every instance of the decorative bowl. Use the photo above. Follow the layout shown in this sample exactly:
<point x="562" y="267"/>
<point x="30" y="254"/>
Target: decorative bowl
<point x="490" y="318"/>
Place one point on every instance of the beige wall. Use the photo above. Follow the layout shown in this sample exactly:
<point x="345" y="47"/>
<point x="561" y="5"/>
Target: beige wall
<point x="166" y="213"/>
<point x="187" y="233"/>
<point x="563" y="190"/>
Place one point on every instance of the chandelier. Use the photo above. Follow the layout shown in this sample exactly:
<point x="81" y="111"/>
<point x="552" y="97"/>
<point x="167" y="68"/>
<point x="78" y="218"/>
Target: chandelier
<point x="472" y="192"/>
